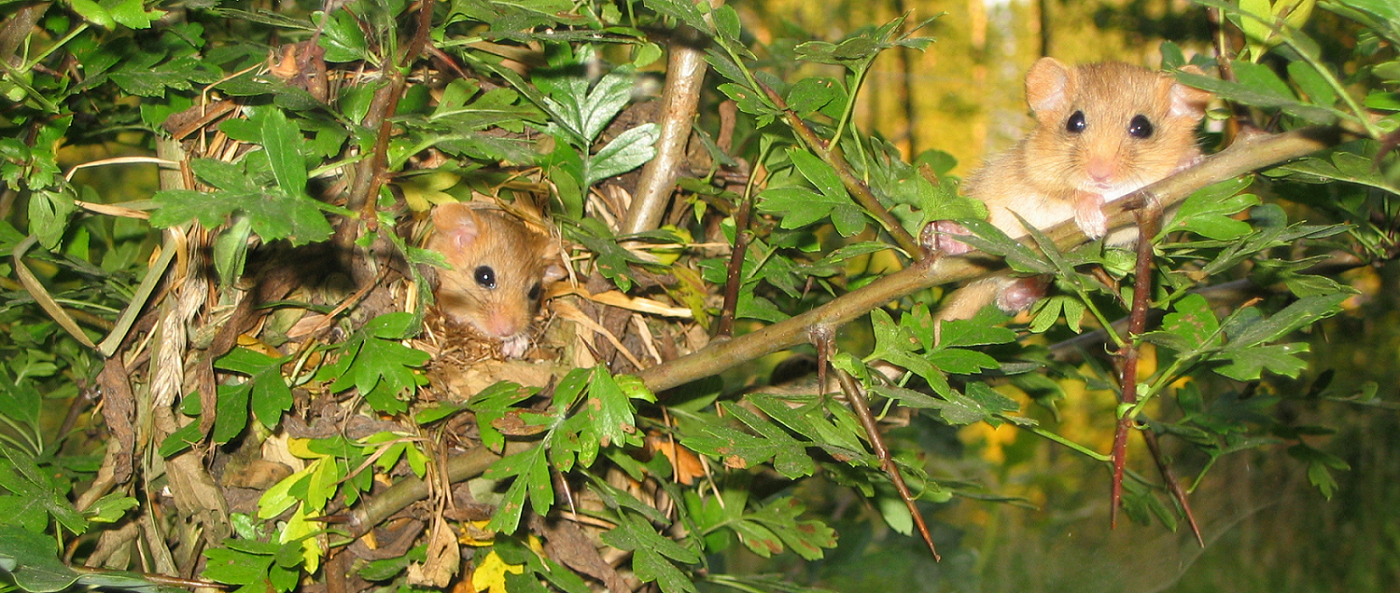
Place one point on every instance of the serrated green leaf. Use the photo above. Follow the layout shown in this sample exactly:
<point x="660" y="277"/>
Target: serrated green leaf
<point x="629" y="150"/>
<point x="282" y="140"/>
<point x="1193" y="321"/>
<point x="1300" y="313"/>
<point x="1246" y="364"/>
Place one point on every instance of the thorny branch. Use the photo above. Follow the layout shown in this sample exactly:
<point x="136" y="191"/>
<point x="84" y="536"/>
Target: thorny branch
<point x="1148" y="220"/>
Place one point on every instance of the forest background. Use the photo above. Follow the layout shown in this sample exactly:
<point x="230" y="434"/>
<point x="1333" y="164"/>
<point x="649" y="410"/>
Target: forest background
<point x="1304" y="503"/>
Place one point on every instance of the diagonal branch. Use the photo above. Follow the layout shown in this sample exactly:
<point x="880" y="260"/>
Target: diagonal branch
<point x="859" y="190"/>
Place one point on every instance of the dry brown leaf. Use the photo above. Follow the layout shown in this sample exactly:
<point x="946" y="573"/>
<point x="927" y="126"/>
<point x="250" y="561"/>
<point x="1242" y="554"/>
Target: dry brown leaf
<point x="444" y="559"/>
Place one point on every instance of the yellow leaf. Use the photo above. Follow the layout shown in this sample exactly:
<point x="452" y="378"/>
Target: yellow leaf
<point x="278" y="498"/>
<point x="421" y="191"/>
<point x="301" y="526"/>
<point x="302" y="448"/>
<point x="491" y="574"/>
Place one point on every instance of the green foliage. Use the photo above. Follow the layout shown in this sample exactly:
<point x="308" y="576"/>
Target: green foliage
<point x="377" y="365"/>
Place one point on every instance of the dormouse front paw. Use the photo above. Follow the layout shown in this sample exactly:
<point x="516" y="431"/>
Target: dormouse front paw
<point x="937" y="237"/>
<point x="1088" y="214"/>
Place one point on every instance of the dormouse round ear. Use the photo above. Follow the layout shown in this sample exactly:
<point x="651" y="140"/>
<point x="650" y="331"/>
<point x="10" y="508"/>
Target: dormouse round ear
<point x="554" y="270"/>
<point x="1049" y="86"/>
<point x="457" y="223"/>
<point x="1189" y="101"/>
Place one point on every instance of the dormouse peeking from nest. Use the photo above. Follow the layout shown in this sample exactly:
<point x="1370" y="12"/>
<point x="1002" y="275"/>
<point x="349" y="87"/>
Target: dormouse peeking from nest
<point x="1102" y="132"/>
<point x="500" y="269"/>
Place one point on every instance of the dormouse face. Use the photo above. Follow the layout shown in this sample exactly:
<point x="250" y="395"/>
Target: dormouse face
<point x="499" y="271"/>
<point x="1109" y="128"/>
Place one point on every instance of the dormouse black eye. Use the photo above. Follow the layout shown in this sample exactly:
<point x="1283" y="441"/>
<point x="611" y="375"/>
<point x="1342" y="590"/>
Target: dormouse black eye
<point x="1076" y="123"/>
<point x="1140" y="127"/>
<point x="485" y="276"/>
<point x="535" y="292"/>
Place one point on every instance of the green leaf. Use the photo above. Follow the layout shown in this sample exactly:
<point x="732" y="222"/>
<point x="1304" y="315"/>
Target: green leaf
<point x="810" y="95"/>
<point x="378" y="365"/>
<point x="32" y="560"/>
<point x="1319" y="464"/>
<point x="585" y="112"/>
<point x="148" y="79"/>
<point x="270" y="395"/>
<point x="644" y="536"/>
<point x="110" y="508"/>
<point x="231" y="250"/>
<point x="1193" y="322"/>
<point x="491" y="404"/>
<point x="1300" y="313"/>
<point x="1207" y="211"/>
<point x="274" y="214"/>
<point x="726" y="21"/>
<point x="629" y="150"/>
<point x="1260" y="87"/>
<point x="133" y="14"/>
<point x="781" y="518"/>
<point x="48" y="216"/>
<point x="93" y="13"/>
<point x="232" y="415"/>
<point x="181" y="439"/>
<point x="237" y="567"/>
<point x="37" y="490"/>
<point x="531" y="473"/>
<point x="1312" y="83"/>
<point x="740" y="449"/>
<point x="342" y="37"/>
<point x="282" y="141"/>
<point x="1246" y="364"/>
<point x="682" y="10"/>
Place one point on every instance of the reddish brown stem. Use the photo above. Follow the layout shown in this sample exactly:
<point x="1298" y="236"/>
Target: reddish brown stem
<point x="1147" y="221"/>
<point x="735" y="276"/>
<point x="861" y="406"/>
<point x="1172" y="484"/>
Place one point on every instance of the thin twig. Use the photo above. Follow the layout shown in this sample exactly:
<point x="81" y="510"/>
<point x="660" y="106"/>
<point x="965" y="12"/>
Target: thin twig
<point x="734" y="277"/>
<point x="861" y="406"/>
<point x="858" y="189"/>
<point x="1172" y="484"/>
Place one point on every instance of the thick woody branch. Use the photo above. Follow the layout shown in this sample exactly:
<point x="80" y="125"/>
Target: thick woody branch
<point x="685" y="72"/>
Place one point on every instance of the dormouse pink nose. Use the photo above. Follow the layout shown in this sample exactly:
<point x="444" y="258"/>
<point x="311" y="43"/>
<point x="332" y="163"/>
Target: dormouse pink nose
<point x="501" y="324"/>
<point x="1100" y="169"/>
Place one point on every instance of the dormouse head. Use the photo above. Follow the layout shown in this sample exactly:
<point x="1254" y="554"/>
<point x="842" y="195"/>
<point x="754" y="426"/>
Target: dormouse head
<point x="500" y="268"/>
<point x="1110" y="128"/>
